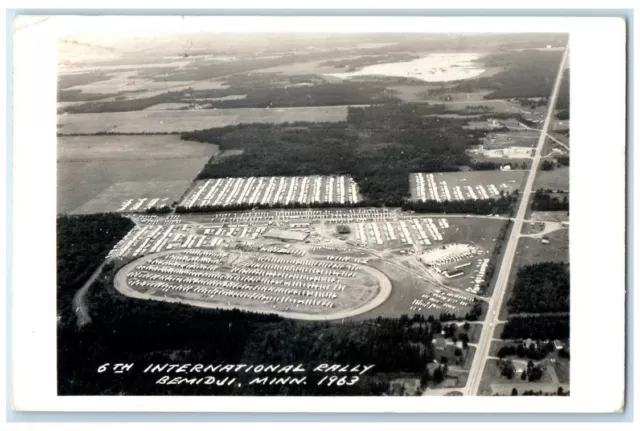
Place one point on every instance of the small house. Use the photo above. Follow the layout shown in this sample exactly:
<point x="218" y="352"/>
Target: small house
<point x="440" y="343"/>
<point x="558" y="345"/>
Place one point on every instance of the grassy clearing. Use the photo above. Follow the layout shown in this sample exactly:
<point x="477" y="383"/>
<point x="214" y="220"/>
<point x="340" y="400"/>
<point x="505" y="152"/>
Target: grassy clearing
<point x="563" y="370"/>
<point x="556" y="179"/>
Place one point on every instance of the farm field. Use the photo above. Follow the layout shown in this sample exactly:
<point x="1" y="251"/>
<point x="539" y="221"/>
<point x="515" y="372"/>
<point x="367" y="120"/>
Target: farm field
<point x="463" y="185"/>
<point x="297" y="287"/>
<point x="100" y="173"/>
<point x="270" y="190"/>
<point x="555" y="179"/>
<point x="189" y="120"/>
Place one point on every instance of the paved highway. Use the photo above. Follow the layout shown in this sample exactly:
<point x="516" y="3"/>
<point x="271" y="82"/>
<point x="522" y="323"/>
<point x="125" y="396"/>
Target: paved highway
<point x="482" y="350"/>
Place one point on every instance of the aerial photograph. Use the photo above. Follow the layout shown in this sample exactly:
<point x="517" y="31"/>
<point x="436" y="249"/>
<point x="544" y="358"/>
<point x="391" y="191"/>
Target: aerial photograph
<point x="313" y="214"/>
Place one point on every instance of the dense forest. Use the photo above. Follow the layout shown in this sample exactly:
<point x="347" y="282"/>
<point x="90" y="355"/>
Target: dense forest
<point x="536" y="327"/>
<point x="82" y="243"/>
<point x="145" y="332"/>
<point x="545" y="200"/>
<point x="541" y="287"/>
<point x="379" y="146"/>
<point x="526" y="74"/>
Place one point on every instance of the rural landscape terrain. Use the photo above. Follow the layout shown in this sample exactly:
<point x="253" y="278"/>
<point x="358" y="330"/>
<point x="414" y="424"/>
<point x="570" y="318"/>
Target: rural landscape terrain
<point x="399" y="201"/>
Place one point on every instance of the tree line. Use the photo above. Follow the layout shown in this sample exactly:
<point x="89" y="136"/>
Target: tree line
<point x="536" y="327"/>
<point x="379" y="146"/>
<point x="501" y="205"/>
<point x="495" y="254"/>
<point x="545" y="200"/>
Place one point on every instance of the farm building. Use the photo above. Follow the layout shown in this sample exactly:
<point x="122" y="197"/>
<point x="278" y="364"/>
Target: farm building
<point x="286" y="235"/>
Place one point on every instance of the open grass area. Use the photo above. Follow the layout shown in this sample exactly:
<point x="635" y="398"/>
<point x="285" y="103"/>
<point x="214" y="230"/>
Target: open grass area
<point x="563" y="368"/>
<point x="555" y="179"/>
<point x="186" y="121"/>
<point x="98" y="173"/>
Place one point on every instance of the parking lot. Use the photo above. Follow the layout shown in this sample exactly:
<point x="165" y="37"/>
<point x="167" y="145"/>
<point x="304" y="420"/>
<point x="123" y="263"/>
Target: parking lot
<point x="447" y="302"/>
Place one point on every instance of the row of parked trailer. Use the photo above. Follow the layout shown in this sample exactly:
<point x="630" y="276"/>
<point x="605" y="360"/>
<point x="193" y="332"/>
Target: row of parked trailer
<point x="326" y="274"/>
<point x="295" y="216"/>
<point x="231" y="289"/>
<point x="142" y="204"/>
<point x="476" y="283"/>
<point x="447" y="254"/>
<point x="408" y="231"/>
<point x="440" y="300"/>
<point x="427" y="188"/>
<point x="270" y="190"/>
<point x="191" y="271"/>
<point x="152" y="237"/>
<point x="312" y="263"/>
<point x="154" y="219"/>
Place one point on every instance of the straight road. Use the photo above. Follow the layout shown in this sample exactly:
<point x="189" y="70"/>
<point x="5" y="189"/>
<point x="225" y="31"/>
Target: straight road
<point x="495" y="303"/>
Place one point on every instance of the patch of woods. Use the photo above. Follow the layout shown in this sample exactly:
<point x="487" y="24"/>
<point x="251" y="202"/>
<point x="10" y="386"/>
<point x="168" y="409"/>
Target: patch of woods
<point x="536" y="327"/>
<point x="82" y="243"/>
<point x="531" y="349"/>
<point x="379" y="146"/>
<point x="495" y="254"/>
<point x="525" y="74"/>
<point x="548" y="200"/>
<point x="472" y="315"/>
<point x="563" y="160"/>
<point x="532" y="373"/>
<point x="541" y="287"/>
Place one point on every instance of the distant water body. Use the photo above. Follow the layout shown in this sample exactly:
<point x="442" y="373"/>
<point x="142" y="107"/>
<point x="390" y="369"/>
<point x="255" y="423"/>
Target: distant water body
<point x="440" y="67"/>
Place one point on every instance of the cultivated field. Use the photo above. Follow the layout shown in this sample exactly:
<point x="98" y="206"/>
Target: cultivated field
<point x="270" y="190"/>
<point x="100" y="173"/>
<point x="296" y="287"/>
<point x="463" y="185"/>
<point x="189" y="120"/>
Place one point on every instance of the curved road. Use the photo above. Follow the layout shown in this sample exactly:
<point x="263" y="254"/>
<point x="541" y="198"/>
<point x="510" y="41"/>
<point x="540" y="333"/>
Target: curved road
<point x="121" y="286"/>
<point x="482" y="350"/>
